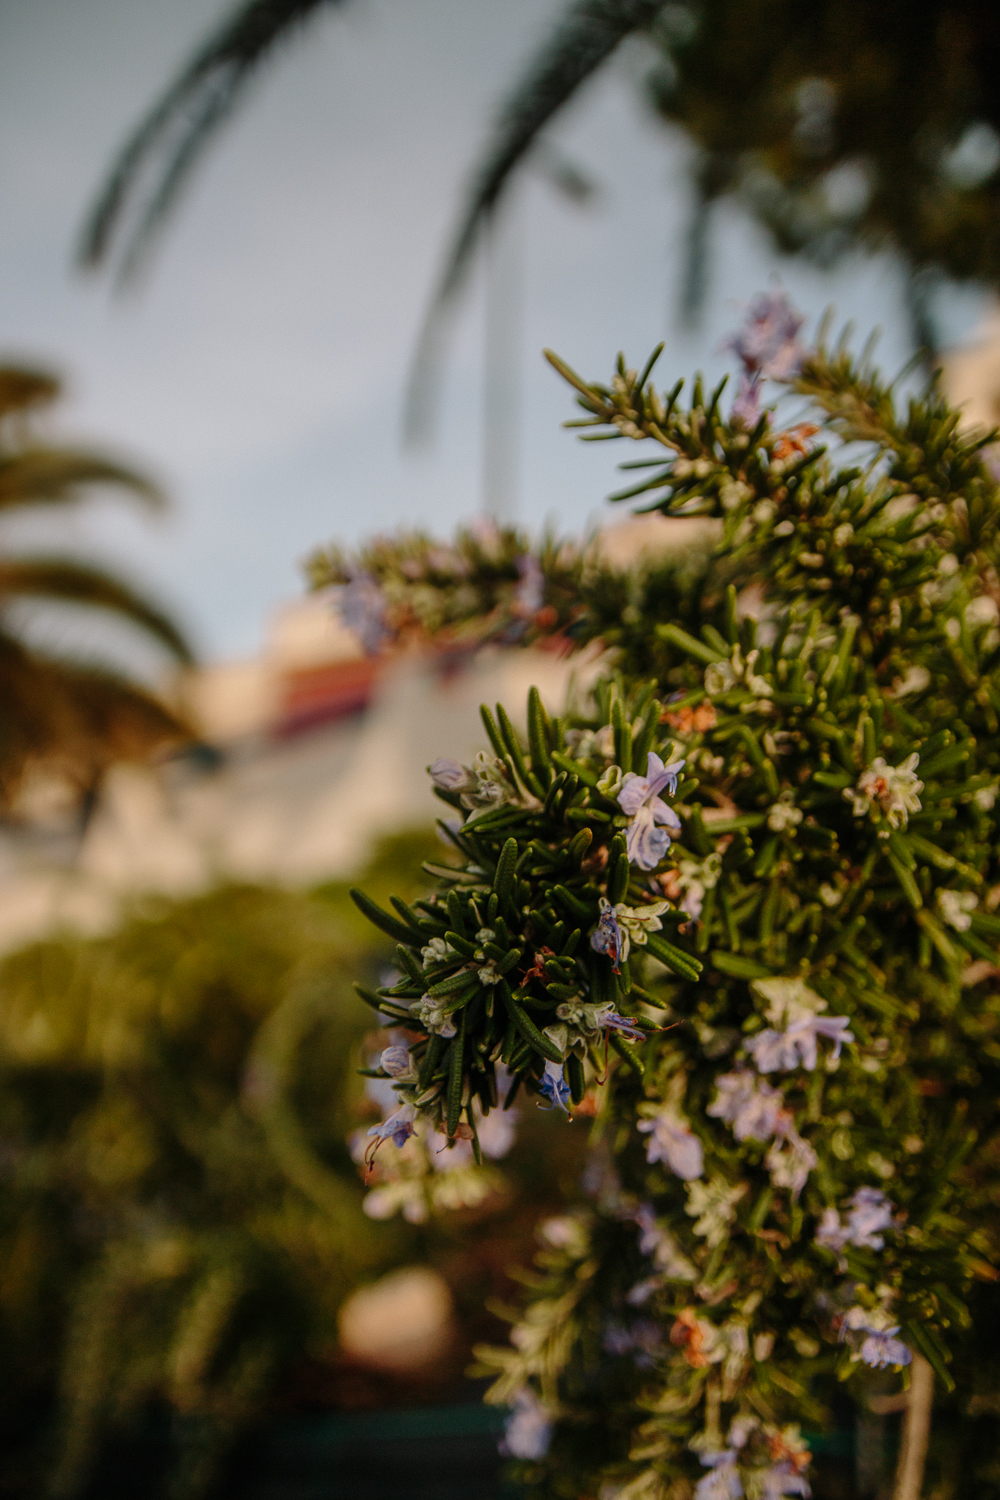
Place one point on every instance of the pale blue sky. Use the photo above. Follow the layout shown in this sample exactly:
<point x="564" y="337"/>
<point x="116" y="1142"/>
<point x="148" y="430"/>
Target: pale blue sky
<point x="259" y="370"/>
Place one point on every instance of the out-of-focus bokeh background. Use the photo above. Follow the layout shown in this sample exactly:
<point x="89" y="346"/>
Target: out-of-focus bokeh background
<point x="192" y="773"/>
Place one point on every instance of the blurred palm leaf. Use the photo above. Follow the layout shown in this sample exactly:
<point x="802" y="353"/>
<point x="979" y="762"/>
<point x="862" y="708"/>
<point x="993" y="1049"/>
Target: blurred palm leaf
<point x="845" y="124"/>
<point x="74" y="719"/>
<point x="53" y="476"/>
<point x="183" y="121"/>
<point x="74" y="583"/>
<point x="169" y="140"/>
<point x="583" y="40"/>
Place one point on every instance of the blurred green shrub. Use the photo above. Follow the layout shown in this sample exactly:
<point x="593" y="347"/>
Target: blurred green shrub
<point x="180" y="1218"/>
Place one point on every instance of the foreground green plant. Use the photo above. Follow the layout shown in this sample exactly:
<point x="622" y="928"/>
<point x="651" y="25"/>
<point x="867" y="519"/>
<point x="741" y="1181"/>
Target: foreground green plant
<point x="799" y="1132"/>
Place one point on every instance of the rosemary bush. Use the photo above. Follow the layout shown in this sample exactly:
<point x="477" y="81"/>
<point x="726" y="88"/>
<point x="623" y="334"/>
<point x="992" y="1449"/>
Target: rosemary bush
<point x="739" y="907"/>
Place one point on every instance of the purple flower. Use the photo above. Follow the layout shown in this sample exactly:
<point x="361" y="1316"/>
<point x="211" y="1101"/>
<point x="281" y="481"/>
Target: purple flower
<point x="639" y="799"/>
<point x="397" y="1128"/>
<point x="643" y="1290"/>
<point x="781" y="1051"/>
<point x="529" y="595"/>
<point x="783" y="1479"/>
<point x="873" y="1335"/>
<point x="626" y="1026"/>
<point x="752" y="1108"/>
<point x="649" y="1231"/>
<point x="871" y="1212"/>
<point x="672" y="1141"/>
<point x="831" y="1232"/>
<point x="882" y="1348"/>
<point x="746" y="408"/>
<point x="643" y="1339"/>
<point x="363" y="608"/>
<point x="768" y="342"/>
<point x="554" y="1086"/>
<point x="448" y="774"/>
<point x="723" y="1483"/>
<point x="607" y="937"/>
<point x="396" y="1060"/>
<point x="528" y="1430"/>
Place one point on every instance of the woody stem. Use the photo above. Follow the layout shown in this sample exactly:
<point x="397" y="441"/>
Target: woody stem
<point x="916" y="1431"/>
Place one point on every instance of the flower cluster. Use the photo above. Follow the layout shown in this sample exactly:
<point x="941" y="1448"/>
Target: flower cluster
<point x="894" y="790"/>
<point x="759" y="1460"/>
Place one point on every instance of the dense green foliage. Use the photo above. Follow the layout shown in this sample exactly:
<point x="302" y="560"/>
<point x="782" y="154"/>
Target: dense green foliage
<point x="181" y="1217"/>
<point x="794" y="1183"/>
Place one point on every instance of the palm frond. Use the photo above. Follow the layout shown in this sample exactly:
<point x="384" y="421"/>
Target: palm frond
<point x="75" y="583"/>
<point x="75" y="720"/>
<point x="584" y="38"/>
<point x="23" y="390"/>
<point x="182" y="123"/>
<point x="54" y="476"/>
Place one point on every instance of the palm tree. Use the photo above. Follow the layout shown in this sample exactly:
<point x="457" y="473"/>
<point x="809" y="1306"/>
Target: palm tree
<point x="70" y="718"/>
<point x="837" y="124"/>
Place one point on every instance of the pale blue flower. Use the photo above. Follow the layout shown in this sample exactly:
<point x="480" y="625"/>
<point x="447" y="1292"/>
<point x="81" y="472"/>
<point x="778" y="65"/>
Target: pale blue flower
<point x="781" y="1051"/>
<point x="529" y="595"/>
<point x="607" y="937"/>
<point x="754" y="1109"/>
<point x="554" y="1086"/>
<point x="528" y="1429"/>
<point x="397" y="1128"/>
<point x="882" y="1348"/>
<point x="396" y="1060"/>
<point x="363" y="607"/>
<point x="626" y="1026"/>
<point x="647" y="840"/>
<point x="747" y="408"/>
<point x="723" y="1483"/>
<point x="435" y="1015"/>
<point x="642" y="1339"/>
<point x="449" y="774"/>
<point x="783" y="1479"/>
<point x="672" y="1141"/>
<point x="873" y="1336"/>
<point x="768" y="343"/>
<point x="832" y="1232"/>
<point x="871" y="1212"/>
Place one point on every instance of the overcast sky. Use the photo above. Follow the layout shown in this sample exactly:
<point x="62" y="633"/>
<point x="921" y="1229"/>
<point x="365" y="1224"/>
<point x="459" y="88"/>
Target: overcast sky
<point x="259" y="370"/>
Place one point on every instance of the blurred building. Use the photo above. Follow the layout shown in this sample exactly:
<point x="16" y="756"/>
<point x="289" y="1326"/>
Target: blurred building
<point x="309" y="752"/>
<point x="971" y="375"/>
<point x="308" y="756"/>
